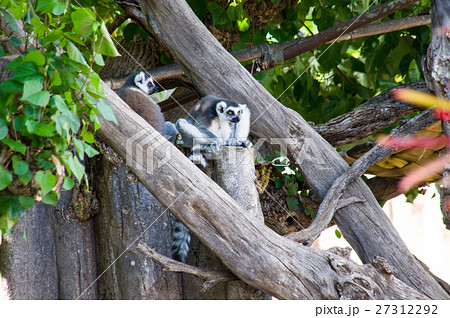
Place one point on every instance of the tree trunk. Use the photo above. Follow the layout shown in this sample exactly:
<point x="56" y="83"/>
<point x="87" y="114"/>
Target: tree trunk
<point x="51" y="254"/>
<point x="130" y="214"/>
<point x="213" y="71"/>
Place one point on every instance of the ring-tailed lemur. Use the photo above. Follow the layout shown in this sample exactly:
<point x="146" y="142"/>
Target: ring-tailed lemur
<point x="135" y="93"/>
<point x="212" y="123"/>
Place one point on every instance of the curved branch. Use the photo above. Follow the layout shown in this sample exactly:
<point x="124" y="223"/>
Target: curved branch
<point x="330" y="202"/>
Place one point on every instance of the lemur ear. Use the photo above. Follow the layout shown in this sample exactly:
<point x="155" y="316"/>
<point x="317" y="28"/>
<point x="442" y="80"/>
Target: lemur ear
<point x="220" y="106"/>
<point x="243" y="106"/>
<point x="139" y="78"/>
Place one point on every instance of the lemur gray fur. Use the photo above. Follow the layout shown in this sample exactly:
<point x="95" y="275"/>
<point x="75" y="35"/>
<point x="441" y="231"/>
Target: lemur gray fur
<point x="135" y="92"/>
<point x="212" y="123"/>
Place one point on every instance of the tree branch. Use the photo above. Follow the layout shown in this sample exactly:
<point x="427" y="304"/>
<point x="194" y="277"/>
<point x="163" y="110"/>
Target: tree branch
<point x="374" y="115"/>
<point x="340" y="29"/>
<point x="210" y="277"/>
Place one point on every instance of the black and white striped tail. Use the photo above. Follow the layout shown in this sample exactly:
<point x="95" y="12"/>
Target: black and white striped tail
<point x="180" y="243"/>
<point x="198" y="158"/>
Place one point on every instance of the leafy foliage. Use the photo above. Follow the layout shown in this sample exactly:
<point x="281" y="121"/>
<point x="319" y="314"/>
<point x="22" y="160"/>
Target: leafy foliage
<point x="336" y="77"/>
<point x="47" y="105"/>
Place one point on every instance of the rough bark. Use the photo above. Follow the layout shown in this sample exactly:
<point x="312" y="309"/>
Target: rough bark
<point x="438" y="64"/>
<point x="129" y="214"/>
<point x="374" y="115"/>
<point x="213" y="71"/>
<point x="51" y="254"/>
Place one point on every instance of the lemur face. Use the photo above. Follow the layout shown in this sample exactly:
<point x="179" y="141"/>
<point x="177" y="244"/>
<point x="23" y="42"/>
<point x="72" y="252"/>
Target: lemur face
<point x="145" y="83"/>
<point x="229" y="111"/>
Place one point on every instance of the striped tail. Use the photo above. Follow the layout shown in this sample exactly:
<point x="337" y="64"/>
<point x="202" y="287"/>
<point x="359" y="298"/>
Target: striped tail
<point x="198" y="157"/>
<point x="180" y="243"/>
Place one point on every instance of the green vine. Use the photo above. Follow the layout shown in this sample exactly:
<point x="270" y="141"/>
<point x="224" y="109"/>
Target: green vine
<point x="49" y="102"/>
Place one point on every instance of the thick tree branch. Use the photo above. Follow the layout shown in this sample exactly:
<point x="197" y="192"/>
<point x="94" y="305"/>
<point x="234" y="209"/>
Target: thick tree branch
<point x="374" y="115"/>
<point x="212" y="70"/>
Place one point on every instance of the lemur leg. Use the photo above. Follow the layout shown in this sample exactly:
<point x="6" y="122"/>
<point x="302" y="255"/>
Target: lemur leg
<point x="193" y="135"/>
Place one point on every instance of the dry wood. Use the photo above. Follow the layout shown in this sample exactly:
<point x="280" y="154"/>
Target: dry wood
<point x="212" y="70"/>
<point x="438" y="81"/>
<point x="374" y="115"/>
<point x="210" y="277"/>
<point x="253" y="252"/>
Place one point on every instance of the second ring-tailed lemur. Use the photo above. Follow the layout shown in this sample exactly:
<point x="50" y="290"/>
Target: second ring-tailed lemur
<point x="135" y="93"/>
<point x="212" y="123"/>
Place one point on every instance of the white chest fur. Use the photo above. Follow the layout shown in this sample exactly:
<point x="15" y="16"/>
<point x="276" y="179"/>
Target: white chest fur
<point x="221" y="129"/>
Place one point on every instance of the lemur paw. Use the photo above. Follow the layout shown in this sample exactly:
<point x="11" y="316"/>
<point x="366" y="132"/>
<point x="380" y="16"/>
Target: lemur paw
<point x="238" y="143"/>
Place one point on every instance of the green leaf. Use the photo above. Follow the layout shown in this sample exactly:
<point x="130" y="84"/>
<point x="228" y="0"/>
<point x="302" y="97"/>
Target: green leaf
<point x="46" y="180"/>
<point x="3" y="128"/>
<point x="16" y="209"/>
<point x="106" y="111"/>
<point x="26" y="72"/>
<point x="73" y="165"/>
<point x="75" y="54"/>
<point x="58" y="102"/>
<point x="26" y="178"/>
<point x="45" y="130"/>
<point x="20" y="167"/>
<point x="218" y="13"/>
<point x="15" y="145"/>
<point x="5" y="178"/>
<point x="26" y="202"/>
<point x="89" y="137"/>
<point x="53" y="36"/>
<point x="243" y="25"/>
<point x="33" y="93"/>
<point x="11" y="87"/>
<point x="83" y="21"/>
<point x="235" y="13"/>
<point x="38" y="27"/>
<point x="79" y="145"/>
<point x="10" y="20"/>
<point x="292" y="203"/>
<point x="338" y="234"/>
<point x="50" y="198"/>
<point x="51" y="6"/>
<point x="293" y="189"/>
<point x="107" y="45"/>
<point x="68" y="183"/>
<point x="98" y="59"/>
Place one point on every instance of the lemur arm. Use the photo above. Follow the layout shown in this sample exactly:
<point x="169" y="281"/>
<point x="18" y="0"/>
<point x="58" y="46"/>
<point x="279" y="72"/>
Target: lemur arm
<point x="241" y="130"/>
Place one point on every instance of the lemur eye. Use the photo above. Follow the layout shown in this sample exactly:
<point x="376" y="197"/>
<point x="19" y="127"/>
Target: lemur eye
<point x="230" y="112"/>
<point x="239" y="112"/>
